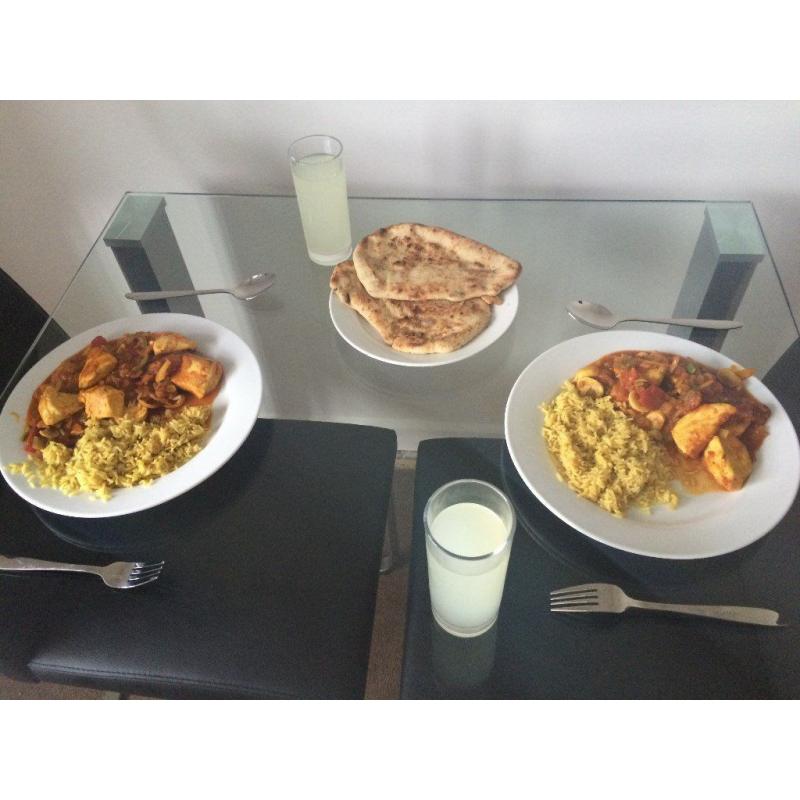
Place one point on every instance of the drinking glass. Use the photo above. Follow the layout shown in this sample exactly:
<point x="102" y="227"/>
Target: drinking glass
<point x="469" y="529"/>
<point x="319" y="181"/>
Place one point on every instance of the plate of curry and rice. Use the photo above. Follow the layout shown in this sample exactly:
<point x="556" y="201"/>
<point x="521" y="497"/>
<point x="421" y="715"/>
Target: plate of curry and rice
<point x="128" y="415"/>
<point x="653" y="444"/>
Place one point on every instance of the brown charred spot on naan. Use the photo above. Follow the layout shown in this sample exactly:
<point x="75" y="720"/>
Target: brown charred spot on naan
<point x="415" y="338"/>
<point x="418" y="326"/>
<point x="414" y="294"/>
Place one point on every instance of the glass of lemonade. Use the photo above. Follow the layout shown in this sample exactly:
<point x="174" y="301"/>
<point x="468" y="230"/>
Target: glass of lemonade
<point x="469" y="528"/>
<point x="319" y="181"/>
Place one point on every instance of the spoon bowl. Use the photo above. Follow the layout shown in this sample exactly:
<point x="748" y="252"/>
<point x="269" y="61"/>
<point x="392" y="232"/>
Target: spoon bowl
<point x="592" y="314"/>
<point x="253" y="286"/>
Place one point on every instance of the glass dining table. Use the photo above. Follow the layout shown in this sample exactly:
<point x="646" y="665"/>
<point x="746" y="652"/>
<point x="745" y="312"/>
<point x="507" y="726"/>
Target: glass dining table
<point x="649" y="258"/>
<point x="659" y="259"/>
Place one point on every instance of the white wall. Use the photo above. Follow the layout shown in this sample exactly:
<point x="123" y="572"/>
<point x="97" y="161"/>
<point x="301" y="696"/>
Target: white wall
<point x="64" y="165"/>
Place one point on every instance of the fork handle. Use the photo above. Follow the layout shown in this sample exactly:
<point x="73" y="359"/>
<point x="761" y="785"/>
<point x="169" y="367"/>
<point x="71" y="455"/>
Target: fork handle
<point x="27" y="564"/>
<point x="712" y="324"/>
<point x="747" y="614"/>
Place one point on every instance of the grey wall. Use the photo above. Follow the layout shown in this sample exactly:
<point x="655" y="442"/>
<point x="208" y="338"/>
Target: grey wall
<point x="64" y="165"/>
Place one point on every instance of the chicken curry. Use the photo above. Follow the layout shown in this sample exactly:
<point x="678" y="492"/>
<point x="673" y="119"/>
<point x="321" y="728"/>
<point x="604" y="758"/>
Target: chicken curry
<point x="711" y="425"/>
<point x="140" y="376"/>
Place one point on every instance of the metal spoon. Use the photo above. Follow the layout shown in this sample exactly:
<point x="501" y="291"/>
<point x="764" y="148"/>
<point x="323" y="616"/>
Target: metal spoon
<point x="600" y="317"/>
<point x="246" y="290"/>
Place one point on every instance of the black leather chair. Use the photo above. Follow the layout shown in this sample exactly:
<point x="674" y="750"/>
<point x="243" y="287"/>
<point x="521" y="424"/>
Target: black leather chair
<point x="271" y="568"/>
<point x="783" y="381"/>
<point x="268" y="589"/>
<point x="21" y="318"/>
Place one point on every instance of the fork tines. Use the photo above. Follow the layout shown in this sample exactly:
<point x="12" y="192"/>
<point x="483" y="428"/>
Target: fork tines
<point x="584" y="597"/>
<point x="143" y="573"/>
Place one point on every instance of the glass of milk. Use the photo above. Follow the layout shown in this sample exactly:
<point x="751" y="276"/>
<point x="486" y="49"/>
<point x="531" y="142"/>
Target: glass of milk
<point x="319" y="181"/>
<point x="469" y="528"/>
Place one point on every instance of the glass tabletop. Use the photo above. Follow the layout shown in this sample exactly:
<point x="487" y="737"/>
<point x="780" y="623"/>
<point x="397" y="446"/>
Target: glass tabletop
<point x="690" y="259"/>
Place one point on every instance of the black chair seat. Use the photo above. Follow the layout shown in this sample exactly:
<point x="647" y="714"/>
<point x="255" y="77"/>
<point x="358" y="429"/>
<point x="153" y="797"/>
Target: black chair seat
<point x="268" y="590"/>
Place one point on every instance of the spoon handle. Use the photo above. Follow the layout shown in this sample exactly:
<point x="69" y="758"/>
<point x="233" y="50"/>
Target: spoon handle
<point x="167" y="295"/>
<point x="713" y="324"/>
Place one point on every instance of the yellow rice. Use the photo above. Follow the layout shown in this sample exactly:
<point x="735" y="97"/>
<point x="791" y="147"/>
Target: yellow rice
<point x="118" y="453"/>
<point x="604" y="456"/>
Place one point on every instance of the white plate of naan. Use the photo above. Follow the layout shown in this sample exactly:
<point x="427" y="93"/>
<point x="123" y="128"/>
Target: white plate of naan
<point x="360" y="335"/>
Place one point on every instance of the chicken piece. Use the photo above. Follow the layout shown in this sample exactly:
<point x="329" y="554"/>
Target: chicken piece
<point x="102" y="402"/>
<point x="197" y="375"/>
<point x="694" y="431"/>
<point x="654" y="371"/>
<point x="728" y="461"/>
<point x="98" y="364"/>
<point x="55" y="406"/>
<point x="172" y="343"/>
<point x="137" y="411"/>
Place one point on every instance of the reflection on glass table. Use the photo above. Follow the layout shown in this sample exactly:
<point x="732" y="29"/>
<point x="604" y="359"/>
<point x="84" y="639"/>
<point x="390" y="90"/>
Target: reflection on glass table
<point x="660" y="258"/>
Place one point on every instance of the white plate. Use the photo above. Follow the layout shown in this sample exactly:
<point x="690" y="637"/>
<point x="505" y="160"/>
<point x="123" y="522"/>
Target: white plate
<point x="358" y="333"/>
<point x="703" y="525"/>
<point x="235" y="410"/>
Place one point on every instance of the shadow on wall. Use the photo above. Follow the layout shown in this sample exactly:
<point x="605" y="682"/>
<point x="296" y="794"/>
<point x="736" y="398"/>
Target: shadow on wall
<point x="449" y="165"/>
<point x="233" y="146"/>
<point x="40" y="164"/>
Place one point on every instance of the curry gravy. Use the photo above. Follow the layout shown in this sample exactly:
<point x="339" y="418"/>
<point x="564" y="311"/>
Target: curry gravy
<point x="692" y="474"/>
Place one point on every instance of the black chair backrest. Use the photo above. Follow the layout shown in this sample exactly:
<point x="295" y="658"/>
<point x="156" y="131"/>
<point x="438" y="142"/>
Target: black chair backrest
<point x="783" y="381"/>
<point x="21" y="318"/>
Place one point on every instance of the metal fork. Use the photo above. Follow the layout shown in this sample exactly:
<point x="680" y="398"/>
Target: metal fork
<point x="610" y="599"/>
<point x="119" y="575"/>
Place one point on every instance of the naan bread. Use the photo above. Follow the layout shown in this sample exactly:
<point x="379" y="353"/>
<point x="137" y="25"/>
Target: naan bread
<point x="419" y="262"/>
<point x="427" y="326"/>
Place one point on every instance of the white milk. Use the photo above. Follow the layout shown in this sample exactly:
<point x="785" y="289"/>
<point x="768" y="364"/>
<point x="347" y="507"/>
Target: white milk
<point x="321" y="187"/>
<point x="466" y="595"/>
